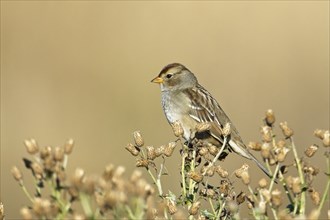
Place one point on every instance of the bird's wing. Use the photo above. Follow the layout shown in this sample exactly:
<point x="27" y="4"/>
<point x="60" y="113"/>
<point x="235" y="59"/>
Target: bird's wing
<point x="204" y="108"/>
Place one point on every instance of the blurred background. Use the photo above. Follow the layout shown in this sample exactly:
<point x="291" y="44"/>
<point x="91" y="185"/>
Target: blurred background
<point x="82" y="70"/>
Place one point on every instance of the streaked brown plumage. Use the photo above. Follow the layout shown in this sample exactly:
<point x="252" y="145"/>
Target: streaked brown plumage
<point x="186" y="101"/>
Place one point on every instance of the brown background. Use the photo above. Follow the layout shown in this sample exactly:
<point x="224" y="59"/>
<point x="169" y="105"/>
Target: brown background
<point x="82" y="69"/>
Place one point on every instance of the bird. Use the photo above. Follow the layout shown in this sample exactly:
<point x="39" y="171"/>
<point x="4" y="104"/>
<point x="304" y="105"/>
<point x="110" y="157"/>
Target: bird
<point x="185" y="101"/>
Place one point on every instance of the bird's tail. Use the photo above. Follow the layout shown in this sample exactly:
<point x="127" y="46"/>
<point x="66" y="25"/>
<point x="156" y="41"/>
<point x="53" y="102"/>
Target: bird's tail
<point x="245" y="153"/>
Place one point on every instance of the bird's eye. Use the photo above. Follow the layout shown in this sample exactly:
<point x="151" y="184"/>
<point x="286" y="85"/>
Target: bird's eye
<point x="169" y="75"/>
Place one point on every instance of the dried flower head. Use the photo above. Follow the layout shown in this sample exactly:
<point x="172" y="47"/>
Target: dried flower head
<point x="326" y="139"/>
<point x="45" y="152"/>
<point x="177" y="129"/>
<point x="287" y="132"/>
<point x="266" y="133"/>
<point x="194" y="208"/>
<point x="78" y="177"/>
<point x="203" y="151"/>
<point x="213" y="149"/>
<point x="138" y="138"/>
<point x="240" y="198"/>
<point x="311" y="150"/>
<point x="276" y="198"/>
<point x="197" y="177"/>
<point x="37" y="170"/>
<point x="222" y="172"/>
<point x="266" y="150"/>
<point x="319" y="133"/>
<point x="132" y="149"/>
<point x="263" y="183"/>
<point x="296" y="185"/>
<point x="239" y="171"/>
<point x="281" y="154"/>
<point x="315" y="196"/>
<point x="256" y="146"/>
<point x="142" y="163"/>
<point x="151" y="153"/>
<point x="169" y="148"/>
<point x="31" y="146"/>
<point x="171" y="206"/>
<point x="59" y="154"/>
<point x="68" y="146"/>
<point x="16" y="174"/>
<point x="204" y="126"/>
<point x="245" y="177"/>
<point x="160" y="150"/>
<point x="26" y="213"/>
<point x="224" y="187"/>
<point x="270" y="117"/>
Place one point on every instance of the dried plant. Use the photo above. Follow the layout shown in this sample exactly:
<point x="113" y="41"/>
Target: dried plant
<point x="208" y="190"/>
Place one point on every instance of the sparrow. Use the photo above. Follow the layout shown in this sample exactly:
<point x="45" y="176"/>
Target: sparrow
<point x="185" y="101"/>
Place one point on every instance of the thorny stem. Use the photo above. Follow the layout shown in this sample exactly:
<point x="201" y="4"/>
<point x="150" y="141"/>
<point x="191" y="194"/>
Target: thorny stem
<point x="326" y="191"/>
<point x="301" y="176"/>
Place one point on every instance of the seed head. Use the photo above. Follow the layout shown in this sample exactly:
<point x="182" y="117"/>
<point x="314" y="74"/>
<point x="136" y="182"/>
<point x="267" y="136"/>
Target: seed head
<point x="270" y="117"/>
<point x="254" y="146"/>
<point x="213" y="149"/>
<point x="171" y="207"/>
<point x="138" y="138"/>
<point x="240" y="198"/>
<point x="266" y="133"/>
<point x="266" y="150"/>
<point x="78" y="177"/>
<point x="194" y="208"/>
<point x="169" y="148"/>
<point x="326" y="139"/>
<point x="203" y="151"/>
<point x="31" y="146"/>
<point x="142" y="163"/>
<point x="238" y="172"/>
<point x="276" y="198"/>
<point x="223" y="173"/>
<point x="204" y="126"/>
<point x="266" y="194"/>
<point x="245" y="177"/>
<point x="16" y="174"/>
<point x="108" y="172"/>
<point x="59" y="154"/>
<point x="37" y="170"/>
<point x="319" y="133"/>
<point x="160" y="150"/>
<point x="296" y="185"/>
<point x="224" y="187"/>
<point x="68" y="147"/>
<point x="45" y="152"/>
<point x="281" y="154"/>
<point x="151" y="153"/>
<point x="315" y="197"/>
<point x="197" y="177"/>
<point x="177" y="129"/>
<point x="132" y="149"/>
<point x="26" y="213"/>
<point x="263" y="183"/>
<point x="311" y="150"/>
<point x="287" y="132"/>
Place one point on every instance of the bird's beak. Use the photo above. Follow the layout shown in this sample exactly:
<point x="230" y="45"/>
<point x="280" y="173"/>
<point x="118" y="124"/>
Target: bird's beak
<point x="157" y="80"/>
